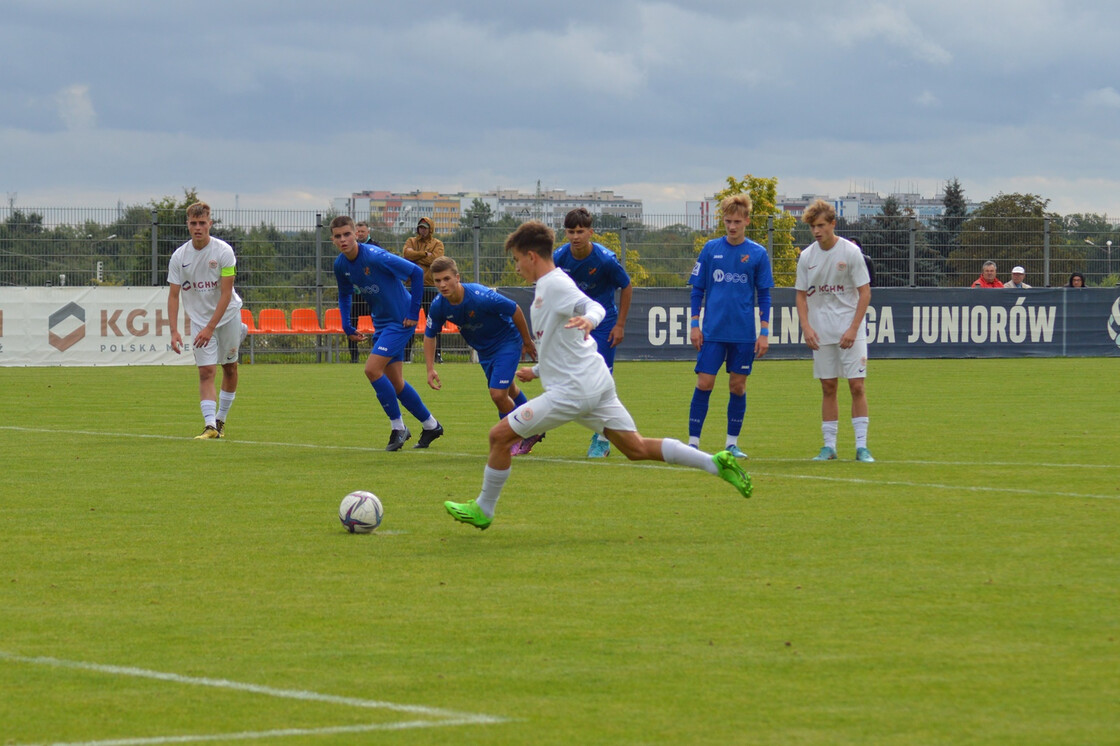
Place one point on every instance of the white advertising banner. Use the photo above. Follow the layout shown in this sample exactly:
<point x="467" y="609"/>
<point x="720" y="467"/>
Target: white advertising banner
<point x="88" y="326"/>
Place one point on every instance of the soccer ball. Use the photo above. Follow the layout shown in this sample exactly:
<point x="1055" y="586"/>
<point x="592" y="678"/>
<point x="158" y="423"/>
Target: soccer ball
<point x="360" y="512"/>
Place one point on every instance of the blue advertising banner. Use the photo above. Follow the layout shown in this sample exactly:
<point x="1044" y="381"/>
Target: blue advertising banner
<point x="903" y="323"/>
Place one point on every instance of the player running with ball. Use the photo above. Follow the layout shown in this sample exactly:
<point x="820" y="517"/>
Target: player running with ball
<point x="578" y="387"/>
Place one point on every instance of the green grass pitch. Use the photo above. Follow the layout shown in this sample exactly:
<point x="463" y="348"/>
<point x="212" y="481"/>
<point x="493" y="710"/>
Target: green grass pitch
<point x="963" y="589"/>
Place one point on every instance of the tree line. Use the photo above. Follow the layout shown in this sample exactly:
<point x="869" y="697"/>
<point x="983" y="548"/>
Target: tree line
<point x="277" y="264"/>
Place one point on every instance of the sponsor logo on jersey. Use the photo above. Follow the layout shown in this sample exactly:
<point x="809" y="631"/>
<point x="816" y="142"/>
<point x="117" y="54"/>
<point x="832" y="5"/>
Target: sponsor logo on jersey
<point x="733" y="277"/>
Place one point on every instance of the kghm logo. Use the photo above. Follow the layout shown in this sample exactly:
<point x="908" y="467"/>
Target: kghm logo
<point x="58" y="318"/>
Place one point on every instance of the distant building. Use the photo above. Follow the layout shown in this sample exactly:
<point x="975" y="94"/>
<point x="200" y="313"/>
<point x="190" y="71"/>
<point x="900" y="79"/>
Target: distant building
<point x="401" y="211"/>
<point x="852" y="206"/>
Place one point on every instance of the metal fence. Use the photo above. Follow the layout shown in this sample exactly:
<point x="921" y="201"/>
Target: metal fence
<point x="285" y="257"/>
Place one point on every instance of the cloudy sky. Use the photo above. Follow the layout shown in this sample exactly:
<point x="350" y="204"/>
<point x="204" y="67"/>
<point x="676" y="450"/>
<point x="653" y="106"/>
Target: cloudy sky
<point x="288" y="104"/>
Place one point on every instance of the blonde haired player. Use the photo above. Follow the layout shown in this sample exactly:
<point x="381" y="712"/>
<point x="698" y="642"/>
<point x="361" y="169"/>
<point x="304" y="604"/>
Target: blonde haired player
<point x="578" y="386"/>
<point x="833" y="293"/>
<point x="201" y="274"/>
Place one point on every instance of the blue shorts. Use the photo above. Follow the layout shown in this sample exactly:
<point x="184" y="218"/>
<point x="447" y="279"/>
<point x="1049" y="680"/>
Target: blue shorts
<point x="739" y="357"/>
<point x="501" y="366"/>
<point x="601" y="336"/>
<point x="390" y="341"/>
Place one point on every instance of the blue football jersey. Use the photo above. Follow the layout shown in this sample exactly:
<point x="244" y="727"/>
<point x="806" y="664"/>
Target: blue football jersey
<point x="729" y="276"/>
<point x="598" y="275"/>
<point x="379" y="276"/>
<point x="484" y="318"/>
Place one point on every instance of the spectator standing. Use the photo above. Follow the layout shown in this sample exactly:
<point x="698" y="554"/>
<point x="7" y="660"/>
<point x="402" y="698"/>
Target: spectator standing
<point x="423" y="249"/>
<point x="987" y="278"/>
<point x="1018" y="274"/>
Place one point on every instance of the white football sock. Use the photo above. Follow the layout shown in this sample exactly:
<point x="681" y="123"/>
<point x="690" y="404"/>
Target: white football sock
<point x="208" y="407"/>
<point x="492" y="482"/>
<point x="225" y="401"/>
<point x="676" y="452"/>
<point x="859" y="424"/>
<point x="829" y="430"/>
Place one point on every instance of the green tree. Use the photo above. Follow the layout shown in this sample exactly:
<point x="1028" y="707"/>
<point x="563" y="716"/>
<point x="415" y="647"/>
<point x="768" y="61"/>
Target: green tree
<point x="480" y="210"/>
<point x="764" y="205"/>
<point x="886" y="239"/>
<point x="171" y="233"/>
<point x="947" y="236"/>
<point x="1010" y="229"/>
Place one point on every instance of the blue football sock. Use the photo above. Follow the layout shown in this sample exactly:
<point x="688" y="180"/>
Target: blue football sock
<point x="387" y="395"/>
<point x="413" y="403"/>
<point x="698" y="412"/>
<point x="736" y="413"/>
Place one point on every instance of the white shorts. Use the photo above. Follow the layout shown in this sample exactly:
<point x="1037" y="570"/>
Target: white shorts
<point x="224" y="346"/>
<point x="549" y="411"/>
<point x="830" y="361"/>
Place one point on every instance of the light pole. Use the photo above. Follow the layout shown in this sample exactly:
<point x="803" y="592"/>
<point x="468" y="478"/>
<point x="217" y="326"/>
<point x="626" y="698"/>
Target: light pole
<point x="1108" y="245"/>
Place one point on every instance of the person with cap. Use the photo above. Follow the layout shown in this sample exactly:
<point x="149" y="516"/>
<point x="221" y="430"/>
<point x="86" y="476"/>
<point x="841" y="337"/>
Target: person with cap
<point x="987" y="278"/>
<point x="423" y="249"/>
<point x="1017" y="276"/>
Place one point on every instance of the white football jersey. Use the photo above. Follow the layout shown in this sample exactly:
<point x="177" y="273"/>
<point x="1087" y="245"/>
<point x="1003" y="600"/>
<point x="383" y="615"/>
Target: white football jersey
<point x="566" y="360"/>
<point x="198" y="272"/>
<point x="831" y="279"/>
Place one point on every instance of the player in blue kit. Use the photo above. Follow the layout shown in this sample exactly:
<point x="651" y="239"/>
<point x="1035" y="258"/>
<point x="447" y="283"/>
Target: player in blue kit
<point x="378" y="276"/>
<point x="493" y="325"/>
<point x="731" y="272"/>
<point x="596" y="271"/>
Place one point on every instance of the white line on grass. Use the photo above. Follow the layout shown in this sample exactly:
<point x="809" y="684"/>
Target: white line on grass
<point x="657" y="465"/>
<point x="257" y="735"/>
<point x="445" y="717"/>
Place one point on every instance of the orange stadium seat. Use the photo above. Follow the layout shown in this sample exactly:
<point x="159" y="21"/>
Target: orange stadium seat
<point x="273" y="321"/>
<point x="365" y="325"/>
<point x="247" y="320"/>
<point x="421" y="323"/>
<point x="332" y="320"/>
<point x="306" y="321"/>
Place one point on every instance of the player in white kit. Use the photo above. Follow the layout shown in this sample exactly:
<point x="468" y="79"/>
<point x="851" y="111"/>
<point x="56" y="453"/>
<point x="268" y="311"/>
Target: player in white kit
<point x="578" y="386"/>
<point x="201" y="274"/>
<point x="833" y="293"/>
